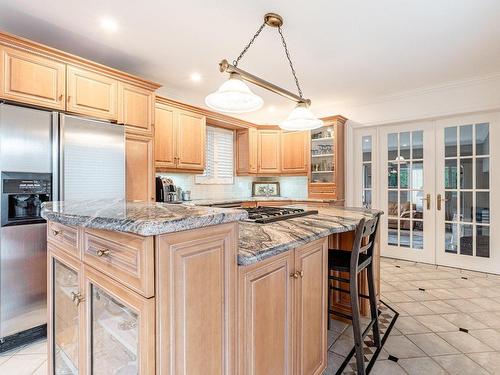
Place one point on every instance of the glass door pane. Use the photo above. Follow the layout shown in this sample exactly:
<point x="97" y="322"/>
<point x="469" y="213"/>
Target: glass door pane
<point x="467" y="190"/>
<point x="114" y="335"/>
<point x="66" y="320"/>
<point x="323" y="155"/>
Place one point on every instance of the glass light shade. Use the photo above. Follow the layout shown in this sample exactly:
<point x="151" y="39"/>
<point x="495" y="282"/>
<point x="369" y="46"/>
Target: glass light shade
<point x="301" y="118"/>
<point x="234" y="96"/>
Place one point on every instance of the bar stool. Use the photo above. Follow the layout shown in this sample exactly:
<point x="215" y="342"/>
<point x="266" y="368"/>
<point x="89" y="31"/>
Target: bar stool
<point x="354" y="262"/>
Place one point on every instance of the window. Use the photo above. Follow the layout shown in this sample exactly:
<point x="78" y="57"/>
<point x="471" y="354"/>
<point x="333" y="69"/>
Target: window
<point x="367" y="171"/>
<point x="219" y="157"/>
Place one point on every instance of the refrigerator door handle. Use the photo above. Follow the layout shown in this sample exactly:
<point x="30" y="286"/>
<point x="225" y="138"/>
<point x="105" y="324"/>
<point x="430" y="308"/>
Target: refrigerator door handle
<point x="60" y="155"/>
<point x="56" y="191"/>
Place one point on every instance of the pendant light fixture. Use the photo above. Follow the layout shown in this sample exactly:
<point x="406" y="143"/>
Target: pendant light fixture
<point x="234" y="96"/>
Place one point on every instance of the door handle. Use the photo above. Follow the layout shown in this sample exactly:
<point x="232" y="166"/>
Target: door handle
<point x="440" y="199"/>
<point x="427" y="199"/>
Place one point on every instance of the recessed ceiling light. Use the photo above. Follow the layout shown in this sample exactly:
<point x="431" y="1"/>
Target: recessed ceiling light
<point x="195" y="77"/>
<point x="109" y="24"/>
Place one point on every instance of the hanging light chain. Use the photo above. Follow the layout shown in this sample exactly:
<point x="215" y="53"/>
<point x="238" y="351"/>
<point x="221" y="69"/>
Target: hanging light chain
<point x="235" y="62"/>
<point x="290" y="62"/>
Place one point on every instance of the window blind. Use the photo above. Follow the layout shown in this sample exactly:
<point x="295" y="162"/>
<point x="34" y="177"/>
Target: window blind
<point x="219" y="158"/>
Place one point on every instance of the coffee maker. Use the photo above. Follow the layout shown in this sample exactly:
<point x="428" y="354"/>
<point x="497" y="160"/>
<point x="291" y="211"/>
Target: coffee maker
<point x="166" y="191"/>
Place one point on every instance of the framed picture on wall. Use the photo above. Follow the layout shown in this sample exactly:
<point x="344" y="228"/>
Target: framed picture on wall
<point x="265" y="189"/>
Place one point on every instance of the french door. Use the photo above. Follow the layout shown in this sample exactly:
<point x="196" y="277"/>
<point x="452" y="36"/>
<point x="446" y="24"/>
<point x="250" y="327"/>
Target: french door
<point x="440" y="200"/>
<point x="407" y="161"/>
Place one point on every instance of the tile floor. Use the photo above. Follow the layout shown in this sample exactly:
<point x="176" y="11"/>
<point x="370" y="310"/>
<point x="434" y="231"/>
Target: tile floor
<point x="434" y="304"/>
<point x="426" y="338"/>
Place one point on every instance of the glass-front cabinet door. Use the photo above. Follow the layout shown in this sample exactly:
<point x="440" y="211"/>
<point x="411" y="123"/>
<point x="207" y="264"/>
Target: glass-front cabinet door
<point x="65" y="304"/>
<point x="323" y="155"/>
<point x="120" y="327"/>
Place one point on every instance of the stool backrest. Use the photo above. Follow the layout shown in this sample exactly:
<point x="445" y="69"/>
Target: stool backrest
<point x="365" y="229"/>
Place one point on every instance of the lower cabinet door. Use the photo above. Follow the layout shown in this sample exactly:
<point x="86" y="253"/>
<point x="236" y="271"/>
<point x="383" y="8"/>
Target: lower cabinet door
<point x="311" y="263"/>
<point x="66" y="314"/>
<point x="119" y="327"/>
<point x="265" y="327"/>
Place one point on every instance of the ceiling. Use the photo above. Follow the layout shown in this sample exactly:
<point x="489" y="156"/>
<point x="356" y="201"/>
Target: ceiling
<point x="344" y="51"/>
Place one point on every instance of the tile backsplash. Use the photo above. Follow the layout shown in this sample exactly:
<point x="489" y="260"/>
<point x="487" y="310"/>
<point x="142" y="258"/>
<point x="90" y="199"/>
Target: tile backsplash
<point x="290" y="186"/>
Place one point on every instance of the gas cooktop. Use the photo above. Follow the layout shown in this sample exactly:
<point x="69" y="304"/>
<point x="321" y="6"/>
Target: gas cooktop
<point x="263" y="215"/>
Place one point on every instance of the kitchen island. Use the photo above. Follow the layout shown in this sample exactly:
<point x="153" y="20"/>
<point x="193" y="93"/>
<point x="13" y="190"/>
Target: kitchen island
<point x="183" y="289"/>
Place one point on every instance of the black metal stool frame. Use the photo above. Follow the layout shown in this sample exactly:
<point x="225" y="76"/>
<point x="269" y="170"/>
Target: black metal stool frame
<point x="360" y="257"/>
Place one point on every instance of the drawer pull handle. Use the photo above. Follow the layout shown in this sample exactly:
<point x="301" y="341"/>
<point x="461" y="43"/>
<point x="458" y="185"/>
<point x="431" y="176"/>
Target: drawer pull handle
<point x="102" y="252"/>
<point x="56" y="232"/>
<point x="77" y="298"/>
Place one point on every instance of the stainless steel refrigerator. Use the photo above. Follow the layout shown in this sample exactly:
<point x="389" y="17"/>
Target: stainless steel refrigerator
<point x="45" y="156"/>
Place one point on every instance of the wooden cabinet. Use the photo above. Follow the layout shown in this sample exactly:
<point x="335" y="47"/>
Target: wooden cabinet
<point x="91" y="93"/>
<point x="165" y="136"/>
<point x="120" y="326"/>
<point x="136" y="108"/>
<point x="294" y="152"/>
<point x="326" y="176"/>
<point x="311" y="261"/>
<point x="265" y="313"/>
<point x="180" y="139"/>
<point x="191" y="135"/>
<point x="269" y="152"/>
<point x="196" y="294"/>
<point x="96" y="325"/>
<point x="262" y="151"/>
<point x="32" y="79"/>
<point x="282" y="324"/>
<point x="139" y="168"/>
<point x="246" y="151"/>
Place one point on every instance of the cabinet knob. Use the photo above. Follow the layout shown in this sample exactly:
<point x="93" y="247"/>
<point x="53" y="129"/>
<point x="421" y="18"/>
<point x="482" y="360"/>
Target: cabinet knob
<point x="56" y="232"/>
<point x="301" y="273"/>
<point x="77" y="298"/>
<point x="102" y="252"/>
<point x="294" y="275"/>
<point x="60" y="97"/>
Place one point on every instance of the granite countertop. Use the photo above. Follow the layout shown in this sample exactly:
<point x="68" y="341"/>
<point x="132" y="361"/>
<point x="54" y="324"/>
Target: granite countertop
<point x="209" y="202"/>
<point x="145" y="219"/>
<point x="261" y="241"/>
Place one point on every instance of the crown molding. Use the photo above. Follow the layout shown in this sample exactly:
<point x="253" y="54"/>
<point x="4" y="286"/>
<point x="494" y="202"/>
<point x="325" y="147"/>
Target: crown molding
<point x="42" y="50"/>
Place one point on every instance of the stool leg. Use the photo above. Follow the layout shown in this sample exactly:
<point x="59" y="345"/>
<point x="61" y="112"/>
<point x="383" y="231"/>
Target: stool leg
<point x="373" y="305"/>
<point x="356" y="324"/>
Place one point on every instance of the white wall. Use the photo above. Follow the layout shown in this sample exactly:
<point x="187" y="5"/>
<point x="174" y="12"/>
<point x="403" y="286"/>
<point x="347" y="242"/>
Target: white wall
<point x="469" y="96"/>
<point x="291" y="187"/>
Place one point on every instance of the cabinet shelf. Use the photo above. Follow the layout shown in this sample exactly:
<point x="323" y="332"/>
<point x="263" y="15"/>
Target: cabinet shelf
<point x="321" y="155"/>
<point x="126" y="338"/>
<point x="321" y="139"/>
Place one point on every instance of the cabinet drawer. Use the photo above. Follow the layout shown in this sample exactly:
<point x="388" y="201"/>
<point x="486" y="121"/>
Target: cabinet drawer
<point x="127" y="258"/>
<point x="322" y="188"/>
<point x="64" y="237"/>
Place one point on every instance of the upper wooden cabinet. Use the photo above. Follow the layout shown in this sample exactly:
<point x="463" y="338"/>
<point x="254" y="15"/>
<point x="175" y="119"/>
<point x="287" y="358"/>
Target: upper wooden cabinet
<point x="139" y="168"/>
<point x="165" y="134"/>
<point x="263" y="151"/>
<point x="326" y="176"/>
<point x="179" y="139"/>
<point x="294" y="152"/>
<point x="269" y="151"/>
<point x="92" y="94"/>
<point x="136" y="108"/>
<point x="191" y="133"/>
<point x="32" y="79"/>
<point x="246" y="151"/>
